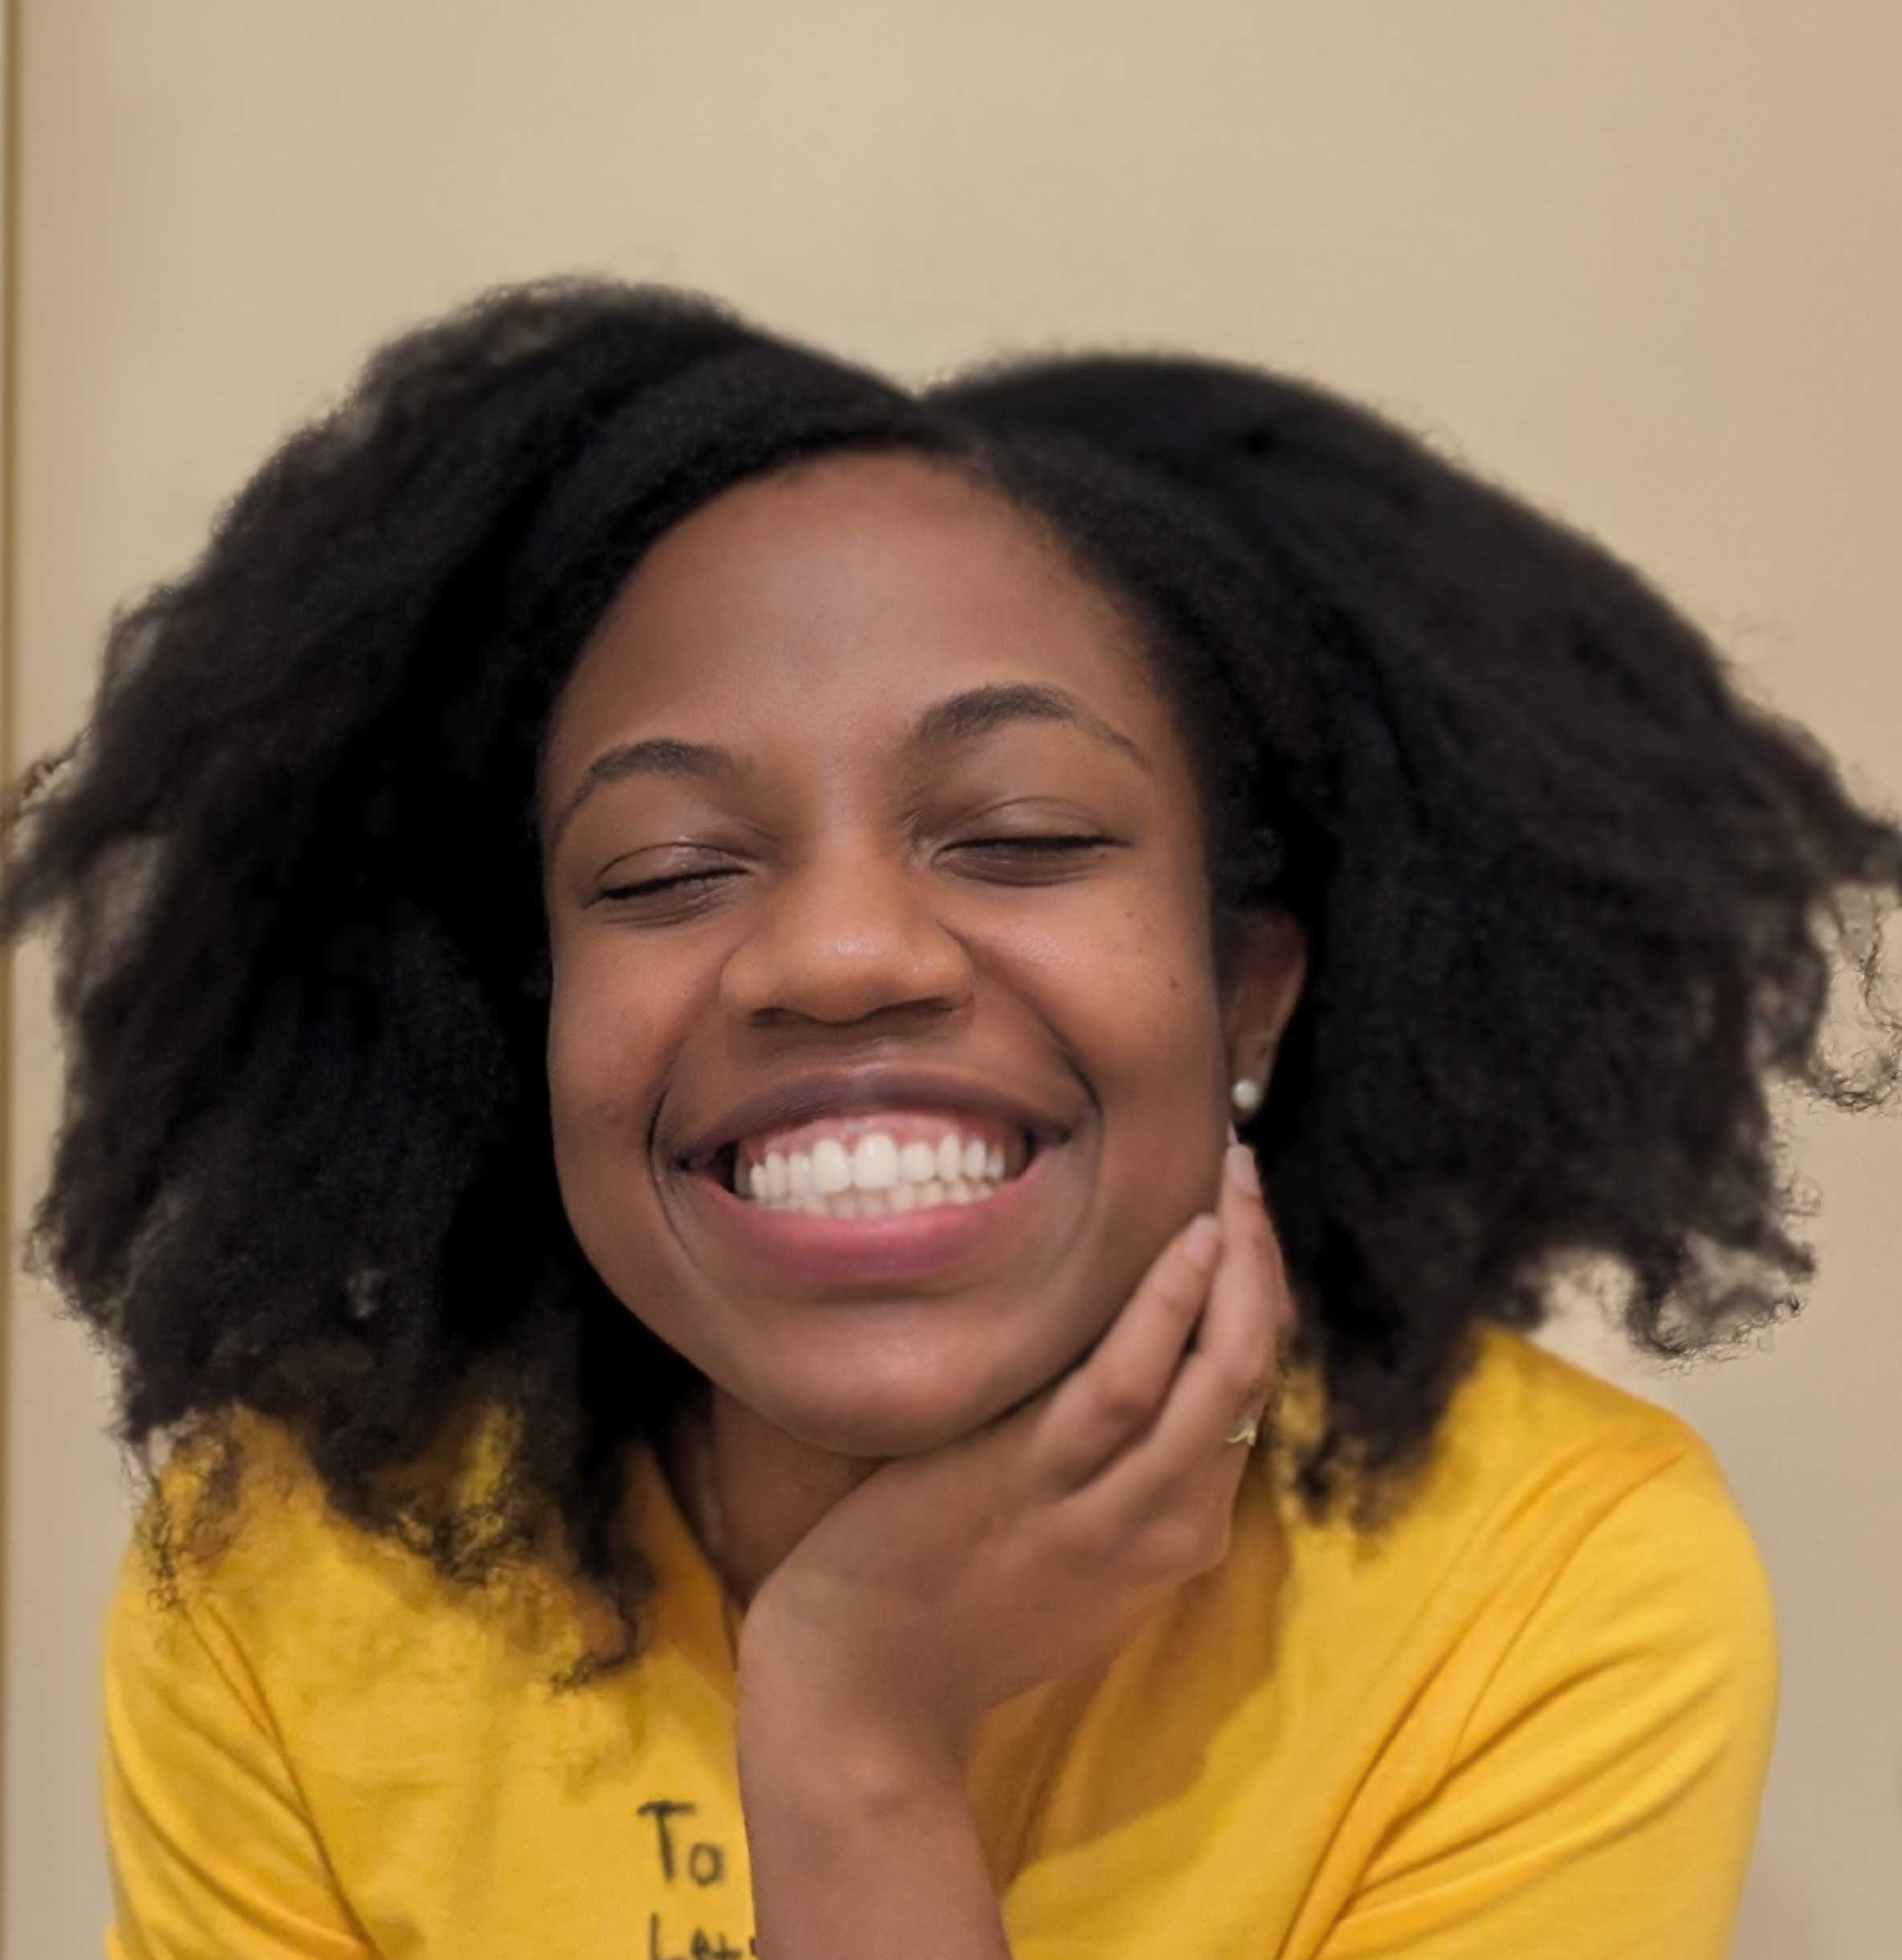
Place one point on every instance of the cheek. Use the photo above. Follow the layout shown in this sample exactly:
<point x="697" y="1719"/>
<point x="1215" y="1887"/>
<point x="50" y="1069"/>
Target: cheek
<point x="602" y="1062"/>
<point x="1160" y="1072"/>
<point x="1152" y="1019"/>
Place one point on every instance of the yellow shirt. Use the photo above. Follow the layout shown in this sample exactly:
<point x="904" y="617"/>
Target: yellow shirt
<point x="1531" y="1720"/>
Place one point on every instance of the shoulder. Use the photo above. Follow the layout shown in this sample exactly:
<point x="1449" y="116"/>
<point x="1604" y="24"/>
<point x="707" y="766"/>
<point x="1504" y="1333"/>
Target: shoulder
<point x="1562" y="1528"/>
<point x="1651" y="1566"/>
<point x="240" y="1557"/>
<point x="235" y="1513"/>
<point x="1532" y="1442"/>
<point x="1521" y="1402"/>
<point x="1599" y="1675"/>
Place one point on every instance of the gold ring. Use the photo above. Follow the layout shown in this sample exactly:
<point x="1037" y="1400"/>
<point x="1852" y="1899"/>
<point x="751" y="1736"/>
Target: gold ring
<point x="1249" y="1429"/>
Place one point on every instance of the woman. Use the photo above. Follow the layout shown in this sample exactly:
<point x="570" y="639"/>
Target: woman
<point x="659" y="944"/>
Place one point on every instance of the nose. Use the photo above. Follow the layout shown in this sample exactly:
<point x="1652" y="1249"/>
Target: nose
<point x="850" y="934"/>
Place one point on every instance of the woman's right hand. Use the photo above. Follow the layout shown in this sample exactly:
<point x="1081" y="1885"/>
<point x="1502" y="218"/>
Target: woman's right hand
<point x="947" y="1583"/>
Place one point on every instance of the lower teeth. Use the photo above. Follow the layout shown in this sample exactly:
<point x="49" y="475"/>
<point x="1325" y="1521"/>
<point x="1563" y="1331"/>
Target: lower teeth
<point x="877" y="1204"/>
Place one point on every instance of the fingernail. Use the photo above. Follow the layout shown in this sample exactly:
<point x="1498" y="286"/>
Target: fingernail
<point x="1242" y="1171"/>
<point x="1204" y="1235"/>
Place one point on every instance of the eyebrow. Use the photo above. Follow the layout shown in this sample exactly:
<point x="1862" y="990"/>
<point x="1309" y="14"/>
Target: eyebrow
<point x="959" y="718"/>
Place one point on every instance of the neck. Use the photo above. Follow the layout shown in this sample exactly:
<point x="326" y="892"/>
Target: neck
<point x="767" y="1489"/>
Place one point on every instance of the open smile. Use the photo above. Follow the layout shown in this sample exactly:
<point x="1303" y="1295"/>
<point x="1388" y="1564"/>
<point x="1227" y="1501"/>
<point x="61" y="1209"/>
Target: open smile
<point x="904" y="1242"/>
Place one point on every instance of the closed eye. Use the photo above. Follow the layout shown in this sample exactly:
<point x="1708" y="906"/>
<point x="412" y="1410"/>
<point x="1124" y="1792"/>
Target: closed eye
<point x="1032" y="854"/>
<point x="1032" y="846"/>
<point x="651" y="885"/>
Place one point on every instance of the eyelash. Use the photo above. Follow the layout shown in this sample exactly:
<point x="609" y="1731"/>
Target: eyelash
<point x="1032" y="846"/>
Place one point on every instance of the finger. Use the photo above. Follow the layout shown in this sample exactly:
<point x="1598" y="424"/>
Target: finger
<point x="1118" y="1390"/>
<point x="1246" y="1219"/>
<point x="1227" y="1372"/>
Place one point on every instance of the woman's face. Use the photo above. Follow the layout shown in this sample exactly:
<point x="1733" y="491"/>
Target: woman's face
<point x="849" y="906"/>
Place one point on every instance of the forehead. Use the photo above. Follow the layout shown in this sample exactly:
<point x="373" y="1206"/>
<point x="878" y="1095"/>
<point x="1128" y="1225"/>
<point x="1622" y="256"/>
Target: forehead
<point x="837" y="599"/>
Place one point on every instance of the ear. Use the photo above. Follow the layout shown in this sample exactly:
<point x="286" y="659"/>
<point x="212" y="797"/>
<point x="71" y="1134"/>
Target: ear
<point x="1270" y="966"/>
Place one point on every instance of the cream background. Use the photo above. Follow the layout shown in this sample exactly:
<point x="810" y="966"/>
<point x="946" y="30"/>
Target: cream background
<point x="1638" y="259"/>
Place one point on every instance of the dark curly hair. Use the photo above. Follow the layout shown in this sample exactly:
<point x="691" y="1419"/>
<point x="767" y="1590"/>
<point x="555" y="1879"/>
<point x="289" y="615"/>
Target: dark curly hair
<point x="1572" y="904"/>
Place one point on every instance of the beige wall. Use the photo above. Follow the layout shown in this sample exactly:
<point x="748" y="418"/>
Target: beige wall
<point x="1638" y="258"/>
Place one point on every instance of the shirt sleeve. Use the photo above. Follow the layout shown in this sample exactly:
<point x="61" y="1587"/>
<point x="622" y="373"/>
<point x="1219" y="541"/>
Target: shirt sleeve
<point x="211" y="1852"/>
<point x="1602" y="1795"/>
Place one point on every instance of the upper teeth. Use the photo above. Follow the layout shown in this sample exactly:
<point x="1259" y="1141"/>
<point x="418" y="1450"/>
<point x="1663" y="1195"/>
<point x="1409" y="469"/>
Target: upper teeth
<point x="875" y="1162"/>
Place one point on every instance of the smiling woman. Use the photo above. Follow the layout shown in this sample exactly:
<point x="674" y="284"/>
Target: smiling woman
<point x="661" y="945"/>
<point x="908" y="666"/>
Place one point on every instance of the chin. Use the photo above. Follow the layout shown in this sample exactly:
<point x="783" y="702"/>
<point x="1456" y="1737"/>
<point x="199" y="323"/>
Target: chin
<point x="881" y="1431"/>
<point x="903" y="1417"/>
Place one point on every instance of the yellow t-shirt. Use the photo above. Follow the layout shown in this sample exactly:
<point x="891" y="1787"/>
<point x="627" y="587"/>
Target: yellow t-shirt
<point x="1533" y="1719"/>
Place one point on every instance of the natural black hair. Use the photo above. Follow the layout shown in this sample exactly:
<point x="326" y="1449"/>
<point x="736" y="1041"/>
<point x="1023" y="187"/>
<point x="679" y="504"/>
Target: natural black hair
<point x="1572" y="902"/>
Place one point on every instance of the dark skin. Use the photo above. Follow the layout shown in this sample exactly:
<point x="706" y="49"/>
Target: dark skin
<point x="936" y="1494"/>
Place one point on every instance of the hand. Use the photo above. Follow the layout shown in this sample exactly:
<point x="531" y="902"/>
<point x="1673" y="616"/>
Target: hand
<point x="945" y="1583"/>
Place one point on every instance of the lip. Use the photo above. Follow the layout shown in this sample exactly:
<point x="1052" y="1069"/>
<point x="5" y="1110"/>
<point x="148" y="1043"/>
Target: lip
<point x="874" y="1085"/>
<point x="796" y="1248"/>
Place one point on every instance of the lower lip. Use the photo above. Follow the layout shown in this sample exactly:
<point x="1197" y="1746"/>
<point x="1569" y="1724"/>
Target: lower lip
<point x="796" y="1246"/>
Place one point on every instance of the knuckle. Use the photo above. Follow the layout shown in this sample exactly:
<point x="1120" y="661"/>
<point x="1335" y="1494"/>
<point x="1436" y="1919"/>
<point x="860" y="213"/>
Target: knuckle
<point x="1163" y="1551"/>
<point x="1099" y="1540"/>
<point x="1121" y="1399"/>
<point x="1190" y="1543"/>
<point x="1183" y="1293"/>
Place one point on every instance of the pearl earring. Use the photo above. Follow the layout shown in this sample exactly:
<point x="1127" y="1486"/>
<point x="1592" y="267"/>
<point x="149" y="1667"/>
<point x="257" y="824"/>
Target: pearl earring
<point x="1246" y="1096"/>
